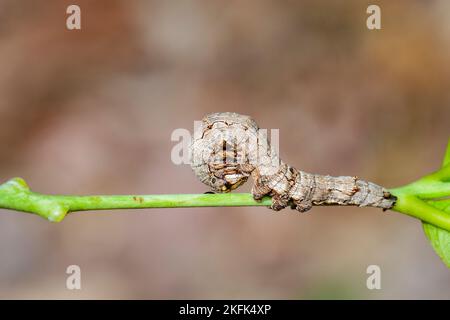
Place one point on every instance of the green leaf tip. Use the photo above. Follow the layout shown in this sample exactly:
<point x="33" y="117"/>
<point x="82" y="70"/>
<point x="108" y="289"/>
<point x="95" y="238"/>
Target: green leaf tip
<point x="438" y="237"/>
<point x="447" y="155"/>
<point x="440" y="241"/>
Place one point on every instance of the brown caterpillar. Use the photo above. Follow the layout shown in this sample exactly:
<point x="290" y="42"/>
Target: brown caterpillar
<point x="228" y="148"/>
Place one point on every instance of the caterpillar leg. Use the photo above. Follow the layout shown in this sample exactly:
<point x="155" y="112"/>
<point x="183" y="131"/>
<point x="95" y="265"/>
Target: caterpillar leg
<point x="275" y="185"/>
<point x="279" y="202"/>
<point x="302" y="205"/>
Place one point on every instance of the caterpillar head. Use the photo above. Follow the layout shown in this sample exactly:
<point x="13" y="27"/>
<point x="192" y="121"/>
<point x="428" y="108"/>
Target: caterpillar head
<point x="220" y="150"/>
<point x="225" y="177"/>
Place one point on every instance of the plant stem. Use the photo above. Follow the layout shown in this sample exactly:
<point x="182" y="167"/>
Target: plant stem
<point x="432" y="213"/>
<point x="428" y="198"/>
<point x="107" y="202"/>
<point x="425" y="199"/>
<point x="16" y="195"/>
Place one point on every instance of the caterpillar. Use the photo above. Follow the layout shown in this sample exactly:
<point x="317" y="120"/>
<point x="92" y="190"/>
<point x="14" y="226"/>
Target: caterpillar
<point x="228" y="148"/>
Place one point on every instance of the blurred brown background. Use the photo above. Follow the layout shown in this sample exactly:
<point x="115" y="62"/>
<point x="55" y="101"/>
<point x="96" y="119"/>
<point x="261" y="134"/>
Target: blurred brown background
<point x="92" y="111"/>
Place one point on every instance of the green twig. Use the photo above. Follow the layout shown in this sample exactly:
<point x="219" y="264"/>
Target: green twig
<point x="16" y="195"/>
<point x="427" y="199"/>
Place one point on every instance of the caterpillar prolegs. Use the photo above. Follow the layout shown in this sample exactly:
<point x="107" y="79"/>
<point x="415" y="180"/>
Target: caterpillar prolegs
<point x="228" y="148"/>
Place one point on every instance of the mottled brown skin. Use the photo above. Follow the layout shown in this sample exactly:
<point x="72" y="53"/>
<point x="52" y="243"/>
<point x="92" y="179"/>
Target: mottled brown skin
<point x="228" y="148"/>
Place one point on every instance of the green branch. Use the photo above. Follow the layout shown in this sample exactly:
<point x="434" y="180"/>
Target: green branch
<point x="424" y="199"/>
<point x="16" y="195"/>
<point x="427" y="198"/>
<point x="433" y="212"/>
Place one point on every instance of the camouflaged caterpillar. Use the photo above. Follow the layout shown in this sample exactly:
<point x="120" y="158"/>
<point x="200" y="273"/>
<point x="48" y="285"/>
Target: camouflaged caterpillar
<point x="228" y="148"/>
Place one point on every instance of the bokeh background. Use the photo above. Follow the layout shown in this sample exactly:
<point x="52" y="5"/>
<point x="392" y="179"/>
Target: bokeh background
<point x="92" y="112"/>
